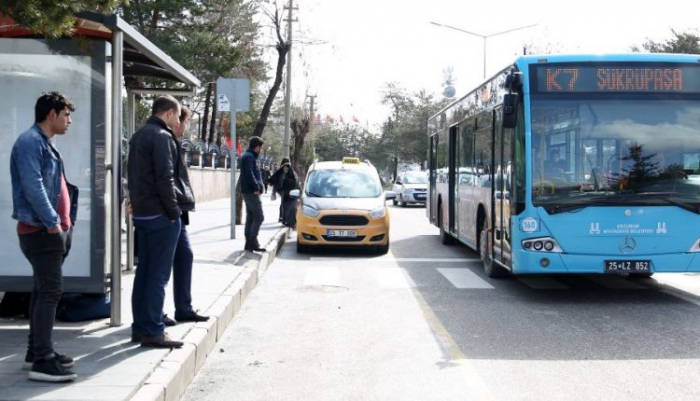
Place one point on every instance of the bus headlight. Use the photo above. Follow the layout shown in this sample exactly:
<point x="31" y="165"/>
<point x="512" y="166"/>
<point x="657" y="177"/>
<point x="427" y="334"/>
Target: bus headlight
<point x="696" y="247"/>
<point x="544" y="244"/>
<point x="309" y="211"/>
<point x="378" y="212"/>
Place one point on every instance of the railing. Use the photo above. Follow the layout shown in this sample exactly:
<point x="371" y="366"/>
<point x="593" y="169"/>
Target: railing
<point x="199" y="159"/>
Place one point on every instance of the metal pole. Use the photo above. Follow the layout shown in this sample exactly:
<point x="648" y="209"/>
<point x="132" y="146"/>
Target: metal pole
<point x="288" y="87"/>
<point x="484" y="57"/>
<point x="131" y="127"/>
<point x="116" y="163"/>
<point x="233" y="165"/>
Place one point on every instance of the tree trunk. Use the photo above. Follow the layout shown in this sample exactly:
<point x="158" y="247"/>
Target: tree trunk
<point x="205" y="116"/>
<point x="300" y="128"/>
<point x="212" y="125"/>
<point x="282" y="51"/>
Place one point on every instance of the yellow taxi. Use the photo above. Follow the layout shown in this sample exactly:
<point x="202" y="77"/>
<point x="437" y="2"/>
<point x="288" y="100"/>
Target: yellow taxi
<point x="343" y="204"/>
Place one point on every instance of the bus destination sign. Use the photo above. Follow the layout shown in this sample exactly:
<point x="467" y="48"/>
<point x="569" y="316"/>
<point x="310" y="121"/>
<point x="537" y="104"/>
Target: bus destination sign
<point x="618" y="78"/>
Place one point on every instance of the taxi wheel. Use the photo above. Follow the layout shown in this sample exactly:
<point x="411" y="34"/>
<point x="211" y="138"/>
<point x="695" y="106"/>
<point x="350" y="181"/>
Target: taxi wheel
<point x="394" y="202"/>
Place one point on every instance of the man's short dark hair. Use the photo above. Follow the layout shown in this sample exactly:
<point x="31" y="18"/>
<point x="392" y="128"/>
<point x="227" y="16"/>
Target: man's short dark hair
<point x="51" y="101"/>
<point x="163" y="104"/>
<point x="255" y="141"/>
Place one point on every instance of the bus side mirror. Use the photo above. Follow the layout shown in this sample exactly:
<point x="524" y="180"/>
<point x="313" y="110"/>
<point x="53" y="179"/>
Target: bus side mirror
<point x="510" y="110"/>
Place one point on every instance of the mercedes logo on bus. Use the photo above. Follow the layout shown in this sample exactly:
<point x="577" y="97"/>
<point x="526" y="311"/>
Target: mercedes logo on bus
<point x="627" y="245"/>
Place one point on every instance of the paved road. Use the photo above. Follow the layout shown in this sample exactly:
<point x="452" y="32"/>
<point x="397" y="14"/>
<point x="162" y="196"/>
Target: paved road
<point x="424" y="323"/>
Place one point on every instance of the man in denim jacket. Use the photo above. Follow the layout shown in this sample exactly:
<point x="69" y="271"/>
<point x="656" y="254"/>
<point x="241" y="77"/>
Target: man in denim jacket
<point x="44" y="204"/>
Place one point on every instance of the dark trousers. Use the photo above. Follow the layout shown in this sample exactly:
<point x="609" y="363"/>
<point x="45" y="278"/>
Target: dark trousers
<point x="254" y="217"/>
<point x="157" y="240"/>
<point x="289" y="211"/>
<point x="182" y="274"/>
<point x="46" y="253"/>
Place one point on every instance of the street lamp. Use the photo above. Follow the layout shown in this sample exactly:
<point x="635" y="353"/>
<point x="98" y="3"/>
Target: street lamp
<point x="482" y="36"/>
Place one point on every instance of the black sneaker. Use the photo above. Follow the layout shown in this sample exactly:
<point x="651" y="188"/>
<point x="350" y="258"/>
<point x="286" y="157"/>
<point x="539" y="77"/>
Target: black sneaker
<point x="192" y="317"/>
<point x="50" y="370"/>
<point x="168" y="321"/>
<point x="65" y="361"/>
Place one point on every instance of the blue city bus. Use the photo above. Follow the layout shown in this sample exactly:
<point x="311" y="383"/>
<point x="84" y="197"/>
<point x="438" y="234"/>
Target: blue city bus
<point x="573" y="164"/>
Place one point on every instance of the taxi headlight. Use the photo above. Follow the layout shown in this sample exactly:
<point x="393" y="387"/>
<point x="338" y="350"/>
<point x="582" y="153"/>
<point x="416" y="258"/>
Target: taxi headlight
<point x="378" y="212"/>
<point x="309" y="211"/>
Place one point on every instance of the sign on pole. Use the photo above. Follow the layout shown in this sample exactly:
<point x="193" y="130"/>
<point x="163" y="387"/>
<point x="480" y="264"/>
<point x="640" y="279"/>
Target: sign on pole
<point x="233" y="95"/>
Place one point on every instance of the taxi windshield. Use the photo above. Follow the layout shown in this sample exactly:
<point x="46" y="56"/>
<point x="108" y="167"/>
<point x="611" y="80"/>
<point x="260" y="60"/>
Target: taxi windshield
<point x="343" y="184"/>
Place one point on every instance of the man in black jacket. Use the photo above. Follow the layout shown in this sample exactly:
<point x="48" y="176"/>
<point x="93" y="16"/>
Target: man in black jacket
<point x="251" y="187"/>
<point x="184" y="257"/>
<point x="152" y="174"/>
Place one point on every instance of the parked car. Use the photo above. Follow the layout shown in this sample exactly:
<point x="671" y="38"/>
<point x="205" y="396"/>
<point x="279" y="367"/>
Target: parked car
<point x="411" y="187"/>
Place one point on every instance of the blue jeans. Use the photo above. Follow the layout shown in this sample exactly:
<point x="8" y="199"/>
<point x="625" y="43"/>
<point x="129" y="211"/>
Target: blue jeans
<point x="46" y="253"/>
<point x="182" y="274"/>
<point x="157" y="240"/>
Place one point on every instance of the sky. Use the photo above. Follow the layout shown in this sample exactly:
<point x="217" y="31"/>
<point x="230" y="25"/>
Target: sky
<point x="345" y="52"/>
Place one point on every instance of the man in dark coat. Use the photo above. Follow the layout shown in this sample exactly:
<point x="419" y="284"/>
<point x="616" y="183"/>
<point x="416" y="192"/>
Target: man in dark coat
<point x="251" y="188"/>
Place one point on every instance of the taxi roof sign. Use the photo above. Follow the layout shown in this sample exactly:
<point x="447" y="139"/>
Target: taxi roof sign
<point x="351" y="160"/>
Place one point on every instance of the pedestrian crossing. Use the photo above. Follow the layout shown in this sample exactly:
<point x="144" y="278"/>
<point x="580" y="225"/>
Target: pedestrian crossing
<point x="383" y="274"/>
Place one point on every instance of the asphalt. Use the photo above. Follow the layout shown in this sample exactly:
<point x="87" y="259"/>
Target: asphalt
<point x="108" y="365"/>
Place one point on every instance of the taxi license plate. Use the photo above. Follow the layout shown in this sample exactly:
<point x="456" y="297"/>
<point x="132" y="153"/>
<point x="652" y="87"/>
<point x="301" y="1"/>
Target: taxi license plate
<point x="342" y="233"/>
<point x="627" y="266"/>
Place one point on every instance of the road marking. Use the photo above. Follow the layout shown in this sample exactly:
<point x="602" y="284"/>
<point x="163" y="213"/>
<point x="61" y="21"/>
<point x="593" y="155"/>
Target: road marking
<point x="390" y="259"/>
<point x="464" y="278"/>
<point x="542" y="283"/>
<point x="475" y="383"/>
<point x="615" y="283"/>
<point x="393" y="277"/>
<point x="316" y="275"/>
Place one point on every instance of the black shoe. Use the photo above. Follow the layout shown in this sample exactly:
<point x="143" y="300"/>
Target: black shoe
<point x="192" y="317"/>
<point x="65" y="361"/>
<point x="168" y="321"/>
<point x="258" y="249"/>
<point x="50" y="370"/>
<point x="161" y="341"/>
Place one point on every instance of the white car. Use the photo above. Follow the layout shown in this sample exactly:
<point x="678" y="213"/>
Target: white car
<point x="411" y="187"/>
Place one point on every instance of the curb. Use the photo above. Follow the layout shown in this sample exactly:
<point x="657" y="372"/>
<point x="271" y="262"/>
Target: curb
<point x="170" y="378"/>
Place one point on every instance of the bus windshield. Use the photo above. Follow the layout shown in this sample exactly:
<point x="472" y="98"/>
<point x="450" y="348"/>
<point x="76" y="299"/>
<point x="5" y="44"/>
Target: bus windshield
<point x="631" y="150"/>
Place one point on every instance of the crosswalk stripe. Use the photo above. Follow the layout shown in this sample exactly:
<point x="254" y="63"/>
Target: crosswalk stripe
<point x="316" y="275"/>
<point x="542" y="283"/>
<point x="615" y="283"/>
<point x="393" y="277"/>
<point x="464" y="278"/>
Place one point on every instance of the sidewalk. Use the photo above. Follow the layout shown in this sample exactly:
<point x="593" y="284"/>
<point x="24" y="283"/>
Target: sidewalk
<point x="108" y="365"/>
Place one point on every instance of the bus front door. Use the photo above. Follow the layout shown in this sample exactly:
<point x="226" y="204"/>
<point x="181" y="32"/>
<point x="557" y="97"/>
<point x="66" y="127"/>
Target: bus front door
<point x="502" y="191"/>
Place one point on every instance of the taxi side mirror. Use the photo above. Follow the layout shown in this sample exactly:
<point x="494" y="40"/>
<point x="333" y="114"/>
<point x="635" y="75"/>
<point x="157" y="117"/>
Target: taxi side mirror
<point x="295" y="194"/>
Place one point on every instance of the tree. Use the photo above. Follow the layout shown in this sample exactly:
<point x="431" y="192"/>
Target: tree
<point x="688" y="43"/>
<point x="54" y="18"/>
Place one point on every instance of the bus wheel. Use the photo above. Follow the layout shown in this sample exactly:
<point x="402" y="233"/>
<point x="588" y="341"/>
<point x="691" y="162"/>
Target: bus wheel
<point x="491" y="269"/>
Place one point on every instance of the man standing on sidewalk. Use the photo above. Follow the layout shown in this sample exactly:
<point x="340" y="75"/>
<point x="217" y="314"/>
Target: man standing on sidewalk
<point x="184" y="257"/>
<point x="251" y="187"/>
<point x="152" y="174"/>
<point x="44" y="206"/>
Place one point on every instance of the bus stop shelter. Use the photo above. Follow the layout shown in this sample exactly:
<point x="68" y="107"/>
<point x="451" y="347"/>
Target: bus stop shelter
<point x="96" y="69"/>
